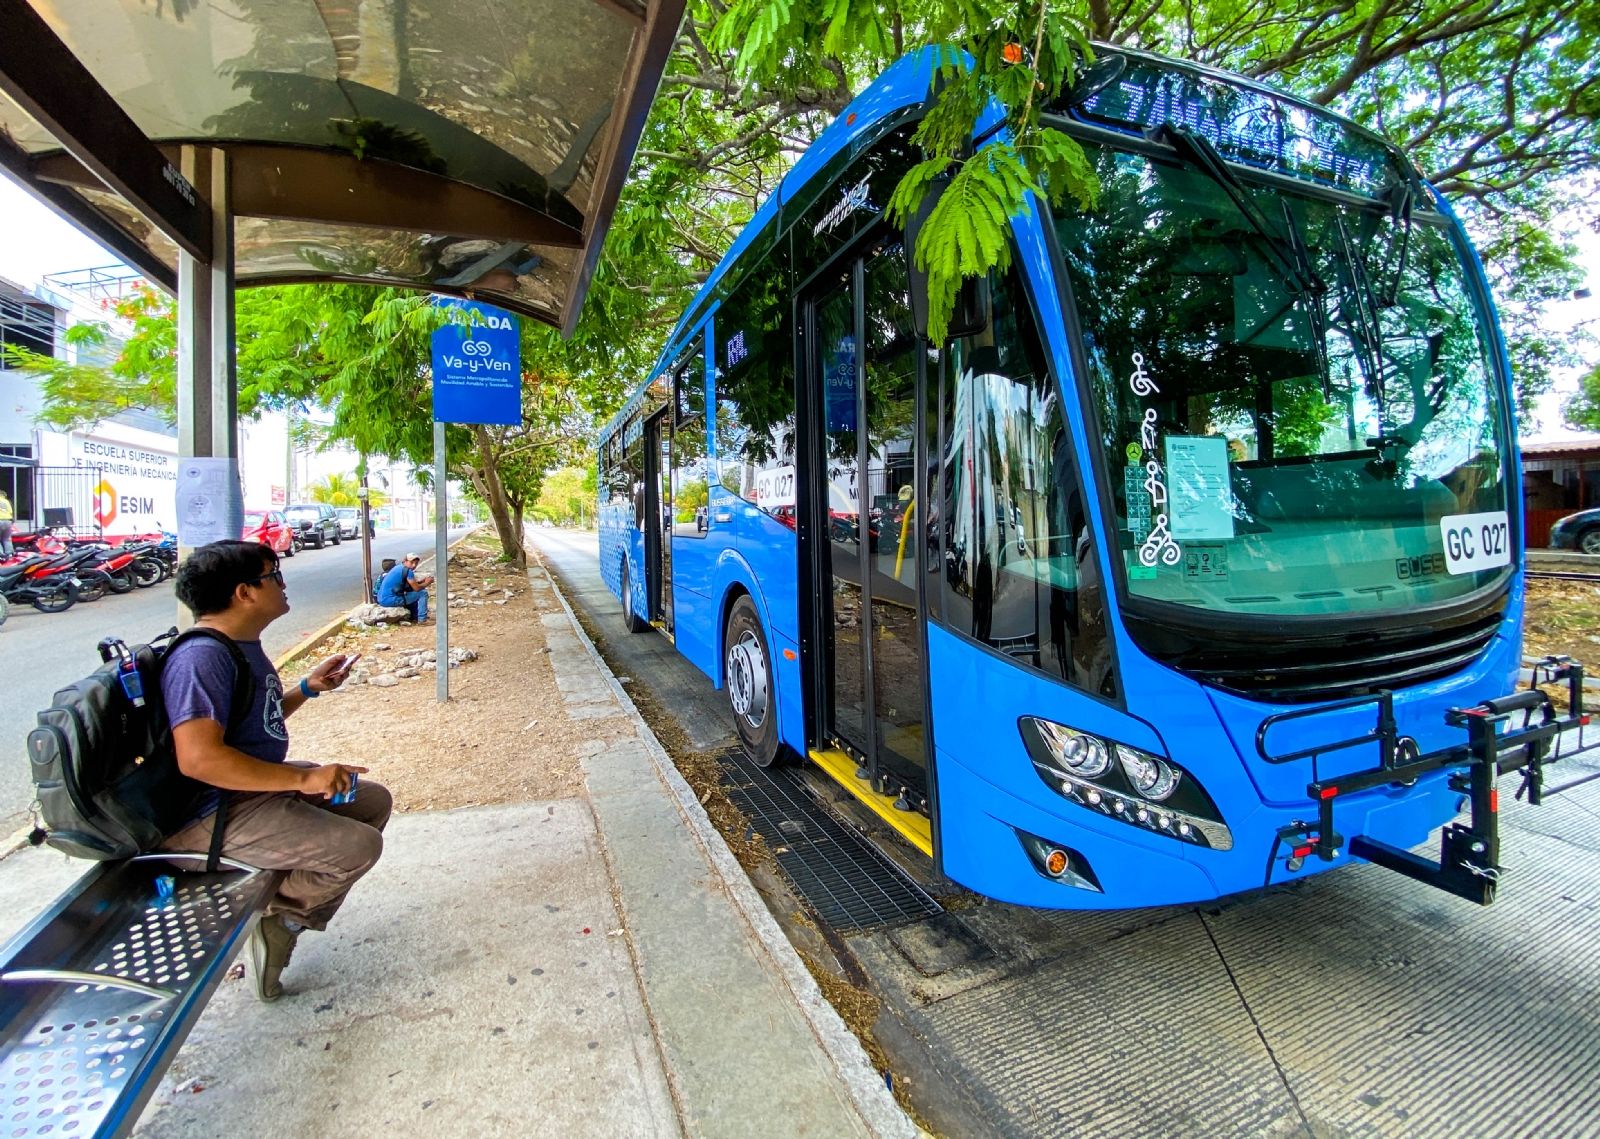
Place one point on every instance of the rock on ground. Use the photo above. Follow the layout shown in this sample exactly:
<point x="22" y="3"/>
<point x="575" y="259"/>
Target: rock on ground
<point x="370" y="614"/>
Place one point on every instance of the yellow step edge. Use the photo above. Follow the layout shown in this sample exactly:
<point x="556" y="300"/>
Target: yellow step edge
<point x="916" y="830"/>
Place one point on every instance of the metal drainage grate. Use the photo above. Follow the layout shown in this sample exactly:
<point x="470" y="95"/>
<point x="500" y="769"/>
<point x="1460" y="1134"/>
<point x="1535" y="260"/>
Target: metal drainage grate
<point x="846" y="880"/>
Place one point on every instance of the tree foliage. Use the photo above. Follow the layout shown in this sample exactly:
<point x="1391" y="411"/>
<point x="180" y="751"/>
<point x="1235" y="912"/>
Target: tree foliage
<point x="1499" y="104"/>
<point x="89" y="388"/>
<point x="337" y="490"/>
<point x="567" y="497"/>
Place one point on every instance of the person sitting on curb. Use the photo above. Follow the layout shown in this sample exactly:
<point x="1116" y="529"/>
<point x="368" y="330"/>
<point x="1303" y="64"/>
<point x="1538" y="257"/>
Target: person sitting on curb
<point x="383" y="572"/>
<point x="278" y="816"/>
<point x="405" y="588"/>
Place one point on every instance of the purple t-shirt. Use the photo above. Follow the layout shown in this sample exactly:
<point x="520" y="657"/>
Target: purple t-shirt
<point x="197" y="682"/>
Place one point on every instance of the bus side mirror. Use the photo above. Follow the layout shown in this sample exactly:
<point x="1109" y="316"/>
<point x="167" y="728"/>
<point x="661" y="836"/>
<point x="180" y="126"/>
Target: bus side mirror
<point x="971" y="313"/>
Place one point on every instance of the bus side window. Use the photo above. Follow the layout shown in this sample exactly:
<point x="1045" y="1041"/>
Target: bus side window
<point x="690" y="468"/>
<point x="1020" y="573"/>
<point x="755" y="425"/>
<point x="631" y="484"/>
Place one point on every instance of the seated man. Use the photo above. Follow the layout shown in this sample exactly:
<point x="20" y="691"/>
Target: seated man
<point x="403" y="586"/>
<point x="278" y="814"/>
<point x="383" y="571"/>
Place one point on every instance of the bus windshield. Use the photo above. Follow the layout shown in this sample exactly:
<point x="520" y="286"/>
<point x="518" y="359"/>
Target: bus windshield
<point x="1296" y="396"/>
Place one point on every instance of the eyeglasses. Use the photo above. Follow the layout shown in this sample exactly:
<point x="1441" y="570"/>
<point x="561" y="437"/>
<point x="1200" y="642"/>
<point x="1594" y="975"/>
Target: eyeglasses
<point x="275" y="575"/>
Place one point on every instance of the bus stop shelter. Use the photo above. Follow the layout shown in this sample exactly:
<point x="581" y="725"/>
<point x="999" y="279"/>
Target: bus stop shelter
<point x="466" y="148"/>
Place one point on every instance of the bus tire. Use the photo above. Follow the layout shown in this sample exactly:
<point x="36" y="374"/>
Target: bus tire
<point x="634" y="622"/>
<point x="747" y="676"/>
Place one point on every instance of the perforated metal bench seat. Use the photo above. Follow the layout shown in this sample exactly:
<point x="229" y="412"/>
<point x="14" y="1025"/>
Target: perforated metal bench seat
<point x="98" y="993"/>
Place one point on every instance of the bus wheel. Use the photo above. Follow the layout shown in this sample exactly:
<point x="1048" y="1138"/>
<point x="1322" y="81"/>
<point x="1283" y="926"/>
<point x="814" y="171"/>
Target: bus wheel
<point x="634" y="622"/>
<point x="747" y="675"/>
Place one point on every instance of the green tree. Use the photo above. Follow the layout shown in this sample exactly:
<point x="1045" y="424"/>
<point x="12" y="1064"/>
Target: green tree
<point x="142" y="375"/>
<point x="336" y="490"/>
<point x="566" y="497"/>
<point x="1581" y="409"/>
<point x="1499" y="103"/>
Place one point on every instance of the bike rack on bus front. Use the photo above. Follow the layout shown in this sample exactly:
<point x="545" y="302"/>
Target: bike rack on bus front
<point x="1469" y="862"/>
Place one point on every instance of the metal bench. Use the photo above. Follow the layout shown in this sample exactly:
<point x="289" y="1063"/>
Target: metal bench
<point x="98" y="992"/>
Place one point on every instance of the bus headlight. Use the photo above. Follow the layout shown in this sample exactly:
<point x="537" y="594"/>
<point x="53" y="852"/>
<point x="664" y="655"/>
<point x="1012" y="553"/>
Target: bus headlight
<point x="1079" y="753"/>
<point x="1154" y="778"/>
<point x="1142" y="790"/>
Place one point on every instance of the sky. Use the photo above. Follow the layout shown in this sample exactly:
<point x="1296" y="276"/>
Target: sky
<point x="35" y="241"/>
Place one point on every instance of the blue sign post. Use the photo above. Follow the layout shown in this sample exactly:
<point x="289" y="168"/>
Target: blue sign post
<point x="477" y="378"/>
<point x="477" y="366"/>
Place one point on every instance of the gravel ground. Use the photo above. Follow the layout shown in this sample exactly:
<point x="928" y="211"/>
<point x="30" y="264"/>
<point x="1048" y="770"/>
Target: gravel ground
<point x="502" y="738"/>
<point x="1563" y="617"/>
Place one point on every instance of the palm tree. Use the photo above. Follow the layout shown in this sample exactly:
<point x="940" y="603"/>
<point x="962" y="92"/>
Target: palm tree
<point x="336" y="490"/>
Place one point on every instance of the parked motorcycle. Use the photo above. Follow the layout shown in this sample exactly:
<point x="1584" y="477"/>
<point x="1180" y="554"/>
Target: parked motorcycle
<point x="93" y="582"/>
<point x="46" y="583"/>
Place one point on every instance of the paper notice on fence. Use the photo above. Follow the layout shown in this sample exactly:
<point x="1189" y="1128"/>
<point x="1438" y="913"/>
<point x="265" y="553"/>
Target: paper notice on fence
<point x="210" y="505"/>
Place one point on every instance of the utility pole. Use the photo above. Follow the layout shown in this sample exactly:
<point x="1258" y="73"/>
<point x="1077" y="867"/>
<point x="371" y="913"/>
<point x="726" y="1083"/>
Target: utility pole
<point x="366" y="534"/>
<point x="288" y="437"/>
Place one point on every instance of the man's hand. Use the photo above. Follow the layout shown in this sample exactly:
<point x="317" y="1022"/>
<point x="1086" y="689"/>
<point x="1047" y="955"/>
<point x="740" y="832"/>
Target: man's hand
<point x="329" y="780"/>
<point x="331" y="673"/>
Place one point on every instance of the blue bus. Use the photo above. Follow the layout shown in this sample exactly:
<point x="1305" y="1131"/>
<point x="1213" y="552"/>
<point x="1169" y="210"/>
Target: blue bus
<point x="1168" y="575"/>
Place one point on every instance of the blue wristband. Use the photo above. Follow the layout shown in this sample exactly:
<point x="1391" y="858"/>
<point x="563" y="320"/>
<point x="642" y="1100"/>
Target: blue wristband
<point x="305" y="690"/>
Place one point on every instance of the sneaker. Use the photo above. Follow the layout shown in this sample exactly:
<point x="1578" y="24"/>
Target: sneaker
<point x="271" y="946"/>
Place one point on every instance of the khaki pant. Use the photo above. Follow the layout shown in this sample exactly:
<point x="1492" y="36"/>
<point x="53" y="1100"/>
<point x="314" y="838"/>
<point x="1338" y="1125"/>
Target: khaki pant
<point x="325" y="848"/>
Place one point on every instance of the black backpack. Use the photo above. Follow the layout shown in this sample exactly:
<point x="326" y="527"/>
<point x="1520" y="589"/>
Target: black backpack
<point x="105" y="774"/>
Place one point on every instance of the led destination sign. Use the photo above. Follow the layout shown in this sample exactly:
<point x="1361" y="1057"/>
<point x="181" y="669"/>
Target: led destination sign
<point x="1249" y="126"/>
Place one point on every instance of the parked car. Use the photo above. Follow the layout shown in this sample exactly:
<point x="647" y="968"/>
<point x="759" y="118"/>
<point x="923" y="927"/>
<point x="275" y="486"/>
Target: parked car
<point x="1580" y="531"/>
<point x="350" y="522"/>
<point x="270" y="528"/>
<point x="317" y="523"/>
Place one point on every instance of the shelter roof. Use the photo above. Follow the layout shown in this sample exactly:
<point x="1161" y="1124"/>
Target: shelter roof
<point x="474" y="147"/>
<point x="1587" y="450"/>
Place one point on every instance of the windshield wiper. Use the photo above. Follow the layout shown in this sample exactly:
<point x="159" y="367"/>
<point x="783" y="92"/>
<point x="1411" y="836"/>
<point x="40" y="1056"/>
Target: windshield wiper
<point x="1292" y="257"/>
<point x="1404" y="195"/>
<point x="1365" y="331"/>
<point x="1315" y="312"/>
<point x="1196" y="150"/>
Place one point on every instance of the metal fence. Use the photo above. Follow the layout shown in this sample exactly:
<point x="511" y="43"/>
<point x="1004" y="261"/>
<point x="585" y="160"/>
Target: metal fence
<point x="64" y="497"/>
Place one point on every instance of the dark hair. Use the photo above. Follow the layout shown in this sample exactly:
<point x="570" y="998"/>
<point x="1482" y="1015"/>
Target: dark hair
<point x="388" y="564"/>
<point x="207" y="578"/>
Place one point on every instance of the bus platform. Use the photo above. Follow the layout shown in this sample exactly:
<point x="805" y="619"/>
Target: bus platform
<point x="1352" y="1003"/>
<point x="596" y="965"/>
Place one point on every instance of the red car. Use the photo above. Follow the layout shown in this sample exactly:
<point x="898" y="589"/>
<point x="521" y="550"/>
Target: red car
<point x="269" y="528"/>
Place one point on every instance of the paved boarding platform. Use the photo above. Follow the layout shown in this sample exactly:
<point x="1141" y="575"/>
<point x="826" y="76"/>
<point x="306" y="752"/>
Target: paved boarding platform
<point x="597" y="965"/>
<point x="1353" y="1003"/>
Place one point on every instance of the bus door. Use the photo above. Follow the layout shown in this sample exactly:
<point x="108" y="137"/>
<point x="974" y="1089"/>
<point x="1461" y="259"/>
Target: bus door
<point x="658" y="518"/>
<point x="865" y="376"/>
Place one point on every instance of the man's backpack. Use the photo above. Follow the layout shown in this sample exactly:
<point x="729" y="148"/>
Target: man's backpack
<point x="105" y="773"/>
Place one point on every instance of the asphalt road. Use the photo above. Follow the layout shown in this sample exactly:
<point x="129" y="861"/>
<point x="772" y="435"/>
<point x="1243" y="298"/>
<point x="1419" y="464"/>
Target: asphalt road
<point x="43" y="652"/>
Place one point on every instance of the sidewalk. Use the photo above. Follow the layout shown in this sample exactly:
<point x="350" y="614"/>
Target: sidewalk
<point x="592" y="962"/>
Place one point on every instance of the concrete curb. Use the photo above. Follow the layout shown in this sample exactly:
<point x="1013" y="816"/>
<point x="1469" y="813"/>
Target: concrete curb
<point x="1569" y="560"/>
<point x="865" y="1087"/>
<point x="322" y="634"/>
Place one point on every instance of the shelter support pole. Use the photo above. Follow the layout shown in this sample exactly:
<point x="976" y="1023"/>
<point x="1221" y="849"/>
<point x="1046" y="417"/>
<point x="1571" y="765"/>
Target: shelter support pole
<point x="441" y="567"/>
<point x="207" y="392"/>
